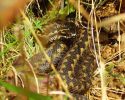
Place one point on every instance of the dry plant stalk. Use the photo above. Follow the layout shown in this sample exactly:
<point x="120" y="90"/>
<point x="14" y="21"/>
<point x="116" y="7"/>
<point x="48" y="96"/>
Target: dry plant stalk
<point x="110" y="20"/>
<point x="44" y="53"/>
<point x="94" y="23"/>
<point x="80" y="8"/>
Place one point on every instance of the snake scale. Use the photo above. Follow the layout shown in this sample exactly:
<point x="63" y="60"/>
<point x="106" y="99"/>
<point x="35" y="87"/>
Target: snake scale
<point x="77" y="66"/>
<point x="71" y="56"/>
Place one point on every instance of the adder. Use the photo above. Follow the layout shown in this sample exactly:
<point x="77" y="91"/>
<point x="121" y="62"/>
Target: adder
<point x="72" y="56"/>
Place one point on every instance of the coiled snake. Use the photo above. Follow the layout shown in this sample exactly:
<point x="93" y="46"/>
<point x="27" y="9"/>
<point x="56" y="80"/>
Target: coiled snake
<point x="72" y="57"/>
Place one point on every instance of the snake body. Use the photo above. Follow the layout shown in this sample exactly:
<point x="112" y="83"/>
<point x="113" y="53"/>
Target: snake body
<point x="56" y="51"/>
<point x="73" y="59"/>
<point x="78" y="66"/>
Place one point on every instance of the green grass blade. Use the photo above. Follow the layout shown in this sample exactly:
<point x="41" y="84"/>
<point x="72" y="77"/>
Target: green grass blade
<point x="19" y="90"/>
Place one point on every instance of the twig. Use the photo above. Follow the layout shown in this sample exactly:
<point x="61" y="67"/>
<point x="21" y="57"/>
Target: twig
<point x="44" y="53"/>
<point x="32" y="70"/>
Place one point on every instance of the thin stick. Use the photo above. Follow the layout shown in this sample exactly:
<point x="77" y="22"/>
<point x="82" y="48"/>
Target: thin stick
<point x="44" y="53"/>
<point x="15" y="75"/>
<point x="82" y="9"/>
<point x="36" y="79"/>
<point x="116" y="18"/>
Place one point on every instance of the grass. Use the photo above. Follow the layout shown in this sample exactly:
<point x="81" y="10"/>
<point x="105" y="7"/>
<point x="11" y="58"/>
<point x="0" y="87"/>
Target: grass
<point x="30" y="95"/>
<point x="21" y="39"/>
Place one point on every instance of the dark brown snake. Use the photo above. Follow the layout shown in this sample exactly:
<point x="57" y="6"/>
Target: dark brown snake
<point x="72" y="58"/>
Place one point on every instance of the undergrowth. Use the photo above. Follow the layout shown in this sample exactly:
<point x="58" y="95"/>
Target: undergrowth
<point x="19" y="41"/>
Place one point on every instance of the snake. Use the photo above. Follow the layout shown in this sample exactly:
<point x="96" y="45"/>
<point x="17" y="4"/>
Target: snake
<point x="71" y="56"/>
<point x="78" y="66"/>
<point x="56" y="52"/>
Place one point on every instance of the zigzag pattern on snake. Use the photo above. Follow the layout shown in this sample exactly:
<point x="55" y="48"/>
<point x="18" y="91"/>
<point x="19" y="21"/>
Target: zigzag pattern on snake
<point x="73" y="59"/>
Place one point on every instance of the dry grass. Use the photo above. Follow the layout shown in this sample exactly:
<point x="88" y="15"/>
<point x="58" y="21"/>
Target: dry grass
<point x="101" y="90"/>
